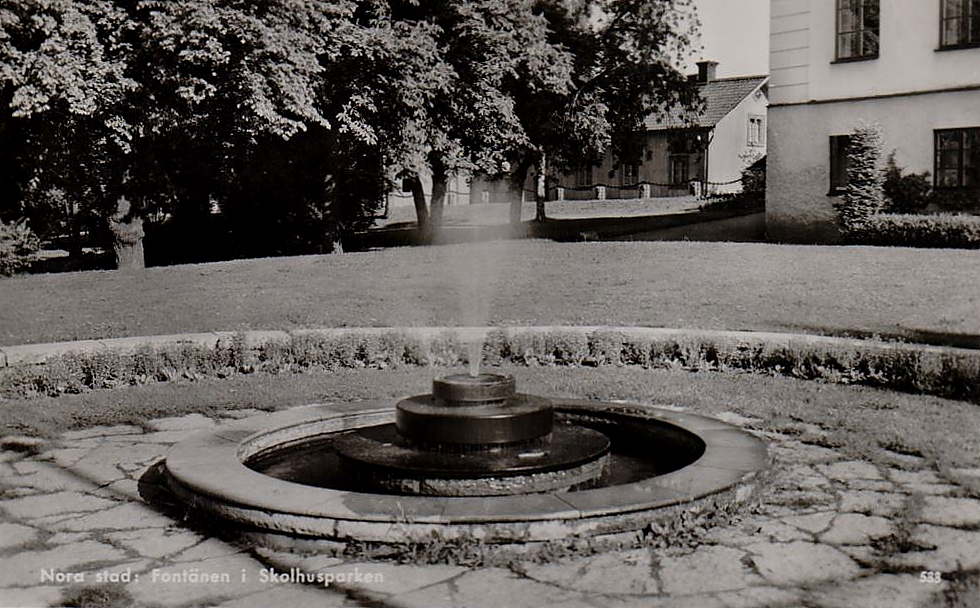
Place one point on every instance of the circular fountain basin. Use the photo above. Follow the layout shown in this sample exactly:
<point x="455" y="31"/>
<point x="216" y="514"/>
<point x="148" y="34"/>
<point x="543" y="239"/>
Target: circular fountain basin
<point x="261" y="473"/>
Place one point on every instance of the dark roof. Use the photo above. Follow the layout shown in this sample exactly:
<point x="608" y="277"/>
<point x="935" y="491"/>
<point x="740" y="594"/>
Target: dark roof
<point x="721" y="96"/>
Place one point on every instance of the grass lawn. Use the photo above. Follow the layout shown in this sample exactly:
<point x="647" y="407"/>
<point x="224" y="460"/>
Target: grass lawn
<point x="861" y="421"/>
<point x="496" y="214"/>
<point x="672" y="284"/>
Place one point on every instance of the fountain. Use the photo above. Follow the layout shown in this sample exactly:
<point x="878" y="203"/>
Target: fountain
<point x="474" y="436"/>
<point x="474" y="460"/>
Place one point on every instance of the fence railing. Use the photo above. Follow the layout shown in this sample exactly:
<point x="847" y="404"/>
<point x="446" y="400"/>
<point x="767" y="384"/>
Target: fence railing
<point x="637" y="190"/>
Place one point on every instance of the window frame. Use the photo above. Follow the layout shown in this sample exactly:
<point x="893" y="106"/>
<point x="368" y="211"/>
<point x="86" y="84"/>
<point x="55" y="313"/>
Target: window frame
<point x="964" y="154"/>
<point x="585" y="176"/>
<point x="838" y="186"/>
<point x="860" y="31"/>
<point x="676" y="160"/>
<point x="761" y="139"/>
<point x="969" y="15"/>
<point x="628" y="171"/>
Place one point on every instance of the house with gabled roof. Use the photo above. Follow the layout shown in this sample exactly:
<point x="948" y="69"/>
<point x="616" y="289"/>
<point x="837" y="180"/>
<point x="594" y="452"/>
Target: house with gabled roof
<point x="688" y="151"/>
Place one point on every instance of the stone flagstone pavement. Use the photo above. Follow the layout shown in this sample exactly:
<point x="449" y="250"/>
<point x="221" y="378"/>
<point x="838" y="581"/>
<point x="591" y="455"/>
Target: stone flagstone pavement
<point x="828" y="532"/>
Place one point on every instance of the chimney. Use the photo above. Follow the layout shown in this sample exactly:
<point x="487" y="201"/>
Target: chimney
<point x="706" y="70"/>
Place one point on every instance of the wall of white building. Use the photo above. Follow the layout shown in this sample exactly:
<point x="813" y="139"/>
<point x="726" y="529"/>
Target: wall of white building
<point x="798" y="207"/>
<point x="730" y="151"/>
<point x="802" y="53"/>
<point x="910" y="90"/>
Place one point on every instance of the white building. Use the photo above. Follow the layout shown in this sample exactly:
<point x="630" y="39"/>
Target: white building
<point x="911" y="66"/>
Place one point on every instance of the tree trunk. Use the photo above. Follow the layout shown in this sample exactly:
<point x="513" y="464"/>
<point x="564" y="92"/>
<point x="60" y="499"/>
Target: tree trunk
<point x="127" y="237"/>
<point x="440" y="182"/>
<point x="74" y="232"/>
<point x="421" y="209"/>
<point x="540" y="192"/>
<point x="517" y="204"/>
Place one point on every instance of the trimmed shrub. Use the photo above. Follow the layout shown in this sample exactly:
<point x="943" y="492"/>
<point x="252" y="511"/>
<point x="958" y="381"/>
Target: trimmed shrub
<point x="914" y="230"/>
<point x="18" y="244"/>
<point x="952" y="374"/>
<point x="864" y="195"/>
<point x="905" y="193"/>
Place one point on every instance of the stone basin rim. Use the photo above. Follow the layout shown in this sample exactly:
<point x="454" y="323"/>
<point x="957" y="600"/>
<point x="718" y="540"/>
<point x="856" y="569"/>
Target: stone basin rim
<point x="207" y="470"/>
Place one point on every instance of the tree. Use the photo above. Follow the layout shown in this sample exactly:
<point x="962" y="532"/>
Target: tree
<point x="486" y="85"/>
<point x="166" y="102"/>
<point x="63" y="74"/>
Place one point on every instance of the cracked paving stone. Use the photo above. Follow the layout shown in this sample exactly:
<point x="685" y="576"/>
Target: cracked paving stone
<point x="813" y="522"/>
<point x="181" y="423"/>
<point x="99" y="432"/>
<point x="933" y="489"/>
<point x="753" y="597"/>
<point x="800" y="563"/>
<point x="124" y="488"/>
<point x="171" y="585"/>
<point x="966" y="473"/>
<point x="9" y="493"/>
<point x="208" y="549"/>
<point x="66" y="457"/>
<point x="618" y="572"/>
<point x="15" y="535"/>
<point x="922" y="476"/>
<point x="167" y="438"/>
<point x="803" y="499"/>
<point x="850" y="470"/>
<point x="45" y="505"/>
<point x="872" y="503"/>
<point x="686" y="575"/>
<point x="43" y="595"/>
<point x="945" y="511"/>
<point x="680" y="601"/>
<point x="781" y="532"/>
<point x="125" y="516"/>
<point x="863" y="554"/>
<point x="25" y="568"/>
<point x="486" y="587"/>
<point x="856" y="529"/>
<point x="391" y="579"/>
<point x="156" y="542"/>
<point x="875" y="485"/>
<point x="292" y="596"/>
<point x="799" y="477"/>
<point x="796" y="451"/>
<point x="954" y="549"/>
<point x="49" y="477"/>
<point x="880" y="591"/>
<point x="64" y="538"/>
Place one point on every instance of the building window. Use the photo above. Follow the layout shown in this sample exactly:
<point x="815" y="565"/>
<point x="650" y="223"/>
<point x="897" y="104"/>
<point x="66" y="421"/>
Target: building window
<point x="958" y="158"/>
<point x="757" y="130"/>
<point x="583" y="177"/>
<point x="628" y="175"/>
<point x="959" y="23"/>
<point x="857" y="29"/>
<point x="838" y="163"/>
<point x="679" y="169"/>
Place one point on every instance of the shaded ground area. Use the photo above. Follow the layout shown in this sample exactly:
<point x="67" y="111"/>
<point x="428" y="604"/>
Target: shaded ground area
<point x="838" y="524"/>
<point x="834" y="290"/>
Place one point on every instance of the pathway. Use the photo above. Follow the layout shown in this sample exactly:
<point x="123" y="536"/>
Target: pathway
<point x="828" y="532"/>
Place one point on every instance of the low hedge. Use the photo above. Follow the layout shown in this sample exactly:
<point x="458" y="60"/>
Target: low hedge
<point x="946" y="372"/>
<point x="951" y="230"/>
